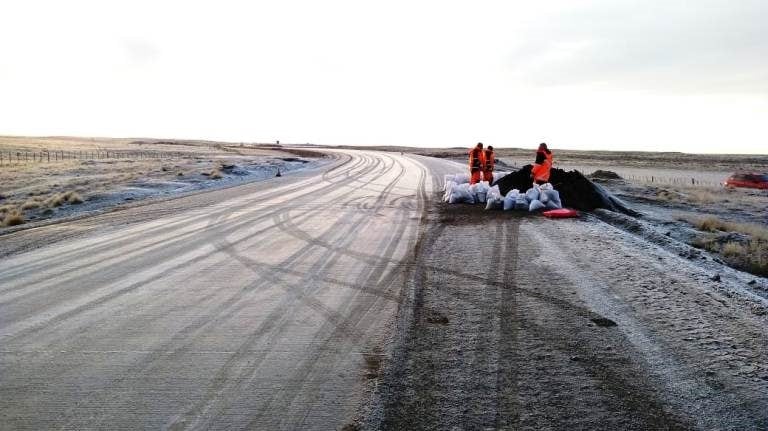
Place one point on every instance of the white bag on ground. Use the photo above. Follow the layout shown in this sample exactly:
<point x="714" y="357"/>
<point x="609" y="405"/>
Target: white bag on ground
<point x="460" y="193"/>
<point x="532" y="194"/>
<point x="553" y="199"/>
<point x="461" y="178"/>
<point x="494" y="199"/>
<point x="536" y="205"/>
<point x="480" y="191"/>
<point x="521" y="203"/>
<point x="552" y="205"/>
<point x="494" y="193"/>
<point x="447" y="179"/>
<point x="448" y="190"/>
<point x="510" y="199"/>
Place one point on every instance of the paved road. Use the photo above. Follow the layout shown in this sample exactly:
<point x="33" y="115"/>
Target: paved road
<point x="263" y="306"/>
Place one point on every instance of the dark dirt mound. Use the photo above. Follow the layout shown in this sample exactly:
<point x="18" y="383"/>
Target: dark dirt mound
<point x="605" y="175"/>
<point x="576" y="190"/>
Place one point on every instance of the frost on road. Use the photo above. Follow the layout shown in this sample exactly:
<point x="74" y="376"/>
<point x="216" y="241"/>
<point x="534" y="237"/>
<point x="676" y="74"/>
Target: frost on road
<point x="348" y="296"/>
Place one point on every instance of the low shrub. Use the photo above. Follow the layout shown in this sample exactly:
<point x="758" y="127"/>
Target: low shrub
<point x="13" y="218"/>
<point x="750" y="254"/>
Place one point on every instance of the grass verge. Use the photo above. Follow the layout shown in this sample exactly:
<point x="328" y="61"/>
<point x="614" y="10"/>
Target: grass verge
<point x="747" y="250"/>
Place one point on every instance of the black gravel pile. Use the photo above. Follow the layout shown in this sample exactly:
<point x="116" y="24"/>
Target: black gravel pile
<point x="576" y="190"/>
<point x="604" y="175"/>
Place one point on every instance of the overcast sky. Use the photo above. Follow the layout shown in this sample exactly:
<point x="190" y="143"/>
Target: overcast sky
<point x="657" y="75"/>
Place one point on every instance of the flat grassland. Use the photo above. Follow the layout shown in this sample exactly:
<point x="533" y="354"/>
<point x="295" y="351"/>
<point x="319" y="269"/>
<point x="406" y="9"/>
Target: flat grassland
<point x="50" y="177"/>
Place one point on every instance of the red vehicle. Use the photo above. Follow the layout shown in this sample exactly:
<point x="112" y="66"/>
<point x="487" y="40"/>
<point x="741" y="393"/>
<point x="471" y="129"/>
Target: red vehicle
<point x="749" y="180"/>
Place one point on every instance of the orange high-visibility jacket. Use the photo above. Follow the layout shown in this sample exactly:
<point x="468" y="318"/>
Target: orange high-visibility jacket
<point x="490" y="159"/>
<point x="476" y="159"/>
<point x="542" y="166"/>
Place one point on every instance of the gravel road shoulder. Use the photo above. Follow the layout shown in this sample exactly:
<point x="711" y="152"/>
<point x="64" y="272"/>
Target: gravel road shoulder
<point x="527" y="323"/>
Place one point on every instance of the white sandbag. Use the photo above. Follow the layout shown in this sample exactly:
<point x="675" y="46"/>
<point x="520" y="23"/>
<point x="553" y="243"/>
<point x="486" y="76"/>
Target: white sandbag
<point x="494" y="203"/>
<point x="553" y="196"/>
<point x="447" y="179"/>
<point x="553" y="199"/>
<point x="460" y="193"/>
<point x="461" y="178"/>
<point x="532" y="194"/>
<point x="510" y="199"/>
<point x="494" y="193"/>
<point x="494" y="200"/>
<point x="448" y="190"/>
<point x="521" y="203"/>
<point x="536" y="205"/>
<point x="546" y="186"/>
<point x="480" y="191"/>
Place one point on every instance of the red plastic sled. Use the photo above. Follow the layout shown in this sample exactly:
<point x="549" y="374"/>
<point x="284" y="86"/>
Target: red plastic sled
<point x="561" y="213"/>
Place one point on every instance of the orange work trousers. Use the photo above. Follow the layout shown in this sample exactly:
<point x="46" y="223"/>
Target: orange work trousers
<point x="488" y="176"/>
<point x="475" y="176"/>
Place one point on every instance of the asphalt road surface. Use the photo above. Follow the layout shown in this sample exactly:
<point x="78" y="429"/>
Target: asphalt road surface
<point x="350" y="297"/>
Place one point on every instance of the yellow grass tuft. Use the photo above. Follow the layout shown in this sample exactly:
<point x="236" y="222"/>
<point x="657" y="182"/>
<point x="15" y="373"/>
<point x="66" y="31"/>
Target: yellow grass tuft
<point x="30" y="204"/>
<point x="714" y="224"/>
<point x="60" y="199"/>
<point x="13" y="218"/>
<point x="749" y="255"/>
<point x="74" y="198"/>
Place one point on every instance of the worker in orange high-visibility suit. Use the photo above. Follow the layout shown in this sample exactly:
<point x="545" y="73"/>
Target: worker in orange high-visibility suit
<point x="490" y="162"/>
<point x="543" y="165"/>
<point x="476" y="163"/>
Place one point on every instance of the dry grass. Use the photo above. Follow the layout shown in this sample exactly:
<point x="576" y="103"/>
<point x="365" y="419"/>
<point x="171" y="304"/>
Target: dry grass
<point x="59" y="199"/>
<point x="750" y="254"/>
<point x="714" y="224"/>
<point x="74" y="198"/>
<point x="215" y="174"/>
<point x="36" y="189"/>
<point x="31" y="204"/>
<point x="13" y="218"/>
<point x="668" y="195"/>
<point x="700" y="195"/>
<point x="733" y="249"/>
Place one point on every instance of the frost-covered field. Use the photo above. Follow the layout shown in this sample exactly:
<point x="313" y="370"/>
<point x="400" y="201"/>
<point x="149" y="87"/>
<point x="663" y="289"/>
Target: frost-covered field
<point x="70" y="176"/>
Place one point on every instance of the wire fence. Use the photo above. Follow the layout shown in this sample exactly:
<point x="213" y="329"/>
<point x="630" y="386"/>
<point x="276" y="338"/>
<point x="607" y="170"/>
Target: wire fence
<point x="667" y="180"/>
<point x="11" y="158"/>
<point x="651" y="176"/>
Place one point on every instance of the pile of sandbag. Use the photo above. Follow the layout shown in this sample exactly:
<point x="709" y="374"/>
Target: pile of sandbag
<point x="457" y="190"/>
<point x="537" y="198"/>
<point x="457" y="193"/>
